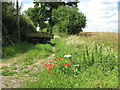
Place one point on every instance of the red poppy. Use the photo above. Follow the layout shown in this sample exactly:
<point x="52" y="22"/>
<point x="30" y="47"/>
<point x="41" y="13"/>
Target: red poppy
<point x="55" y="60"/>
<point x="53" y="66"/>
<point x="49" y="65"/>
<point x="68" y="64"/>
<point x="47" y="69"/>
<point x="71" y="59"/>
<point x="45" y="64"/>
<point x="50" y="68"/>
<point x="52" y="71"/>
<point x="58" y="64"/>
<point x="65" y="63"/>
<point x="44" y="67"/>
<point x="59" y="59"/>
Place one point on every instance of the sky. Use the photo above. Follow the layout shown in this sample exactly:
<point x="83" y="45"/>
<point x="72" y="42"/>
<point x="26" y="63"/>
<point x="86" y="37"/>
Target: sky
<point x="101" y="15"/>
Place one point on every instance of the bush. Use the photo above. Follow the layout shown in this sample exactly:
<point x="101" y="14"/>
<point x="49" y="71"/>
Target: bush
<point x="68" y="19"/>
<point x="12" y="51"/>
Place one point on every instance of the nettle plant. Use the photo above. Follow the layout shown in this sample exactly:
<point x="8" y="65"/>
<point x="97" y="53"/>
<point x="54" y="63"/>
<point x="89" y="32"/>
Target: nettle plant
<point x="63" y="65"/>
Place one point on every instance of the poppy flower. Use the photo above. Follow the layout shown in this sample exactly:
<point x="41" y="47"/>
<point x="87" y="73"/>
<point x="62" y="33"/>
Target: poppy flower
<point x="68" y="64"/>
<point x="44" y="67"/>
<point x="55" y="60"/>
<point x="58" y="64"/>
<point x="59" y="59"/>
<point x="45" y="64"/>
<point x="52" y="71"/>
<point x="71" y="59"/>
<point x="49" y="64"/>
<point x="47" y="69"/>
<point x="64" y="64"/>
<point x="53" y="66"/>
<point x="50" y="68"/>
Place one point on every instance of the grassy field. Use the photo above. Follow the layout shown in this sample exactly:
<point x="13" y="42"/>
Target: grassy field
<point x="93" y="63"/>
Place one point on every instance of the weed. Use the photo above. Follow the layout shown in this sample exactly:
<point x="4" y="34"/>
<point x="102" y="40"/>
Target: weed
<point x="7" y="72"/>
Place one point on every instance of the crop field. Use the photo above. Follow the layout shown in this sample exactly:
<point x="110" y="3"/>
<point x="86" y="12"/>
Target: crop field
<point x="86" y="60"/>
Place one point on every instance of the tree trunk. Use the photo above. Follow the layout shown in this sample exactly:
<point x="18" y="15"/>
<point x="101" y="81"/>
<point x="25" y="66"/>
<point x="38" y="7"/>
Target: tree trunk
<point x="18" y="20"/>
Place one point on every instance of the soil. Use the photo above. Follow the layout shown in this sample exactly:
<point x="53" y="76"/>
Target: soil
<point x="12" y="81"/>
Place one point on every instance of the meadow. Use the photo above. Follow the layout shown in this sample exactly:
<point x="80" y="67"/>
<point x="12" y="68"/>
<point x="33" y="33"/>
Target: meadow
<point x="86" y="60"/>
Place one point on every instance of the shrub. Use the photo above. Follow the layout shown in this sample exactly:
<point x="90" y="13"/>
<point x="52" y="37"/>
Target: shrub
<point x="68" y="19"/>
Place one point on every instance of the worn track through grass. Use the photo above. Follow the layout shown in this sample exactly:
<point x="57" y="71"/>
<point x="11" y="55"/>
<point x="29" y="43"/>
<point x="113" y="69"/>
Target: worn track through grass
<point x="17" y="79"/>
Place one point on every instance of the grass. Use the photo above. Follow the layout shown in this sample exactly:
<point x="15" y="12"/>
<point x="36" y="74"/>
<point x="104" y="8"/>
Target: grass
<point x="16" y="49"/>
<point x="19" y="66"/>
<point x="94" y="63"/>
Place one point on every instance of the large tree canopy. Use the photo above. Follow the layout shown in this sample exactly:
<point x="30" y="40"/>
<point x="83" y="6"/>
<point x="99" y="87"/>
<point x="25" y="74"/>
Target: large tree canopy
<point x="42" y="11"/>
<point x="69" y="19"/>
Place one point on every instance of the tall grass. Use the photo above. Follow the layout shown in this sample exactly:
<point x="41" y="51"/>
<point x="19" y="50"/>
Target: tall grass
<point x="39" y="51"/>
<point x="94" y="65"/>
<point x="16" y="49"/>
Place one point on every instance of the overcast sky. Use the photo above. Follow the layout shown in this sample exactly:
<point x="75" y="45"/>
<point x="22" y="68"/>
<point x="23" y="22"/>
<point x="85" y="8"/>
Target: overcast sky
<point x="102" y="15"/>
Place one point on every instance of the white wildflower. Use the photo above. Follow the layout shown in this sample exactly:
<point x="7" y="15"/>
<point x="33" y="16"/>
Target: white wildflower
<point x="67" y="55"/>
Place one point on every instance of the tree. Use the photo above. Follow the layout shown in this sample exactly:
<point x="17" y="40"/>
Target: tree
<point x="18" y="20"/>
<point x="69" y="19"/>
<point x="37" y="17"/>
<point x="45" y="11"/>
<point x="10" y="32"/>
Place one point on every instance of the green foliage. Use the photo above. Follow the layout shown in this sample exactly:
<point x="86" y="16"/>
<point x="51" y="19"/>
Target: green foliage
<point x="38" y="52"/>
<point x="41" y="14"/>
<point x="26" y="26"/>
<point x="7" y="72"/>
<point x="12" y="51"/>
<point x="9" y="22"/>
<point x="93" y="67"/>
<point x="37" y="15"/>
<point x="68" y="19"/>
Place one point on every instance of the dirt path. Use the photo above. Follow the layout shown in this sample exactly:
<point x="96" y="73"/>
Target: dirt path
<point x="17" y="79"/>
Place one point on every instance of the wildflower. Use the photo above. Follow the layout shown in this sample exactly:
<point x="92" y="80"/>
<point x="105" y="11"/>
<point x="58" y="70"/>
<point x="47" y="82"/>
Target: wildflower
<point x="68" y="64"/>
<point x="47" y="69"/>
<point x="50" y="68"/>
<point x="61" y="58"/>
<point x="67" y="55"/>
<point x="77" y="65"/>
<point x="58" y="64"/>
<point x="71" y="59"/>
<point x="55" y="60"/>
<point x="64" y="64"/>
<point x="52" y="71"/>
<point x="44" y="67"/>
<point x="45" y="64"/>
<point x="49" y="65"/>
<point x="53" y="66"/>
